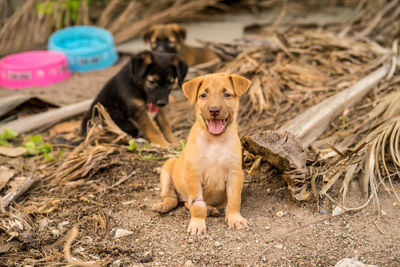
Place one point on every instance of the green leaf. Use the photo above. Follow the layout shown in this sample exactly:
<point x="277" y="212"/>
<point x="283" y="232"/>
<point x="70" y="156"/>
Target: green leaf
<point x="149" y="156"/>
<point x="48" y="157"/>
<point x="60" y="154"/>
<point x="36" y="139"/>
<point x="182" y="147"/>
<point x="132" y="145"/>
<point x="30" y="148"/>
<point x="3" y="142"/>
<point x="9" y="134"/>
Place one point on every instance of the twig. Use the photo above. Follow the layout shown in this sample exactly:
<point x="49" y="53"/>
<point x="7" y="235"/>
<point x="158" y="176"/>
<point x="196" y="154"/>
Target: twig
<point x="72" y="234"/>
<point x="7" y="199"/>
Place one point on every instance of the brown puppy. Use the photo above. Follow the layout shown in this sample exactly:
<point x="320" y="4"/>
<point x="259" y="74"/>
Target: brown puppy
<point x="170" y="38"/>
<point x="208" y="172"/>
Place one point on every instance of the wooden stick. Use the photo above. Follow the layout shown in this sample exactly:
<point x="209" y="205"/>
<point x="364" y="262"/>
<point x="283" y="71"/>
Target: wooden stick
<point x="310" y="124"/>
<point x="49" y="117"/>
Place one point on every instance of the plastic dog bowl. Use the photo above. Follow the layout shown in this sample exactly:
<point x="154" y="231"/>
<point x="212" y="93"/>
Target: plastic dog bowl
<point x="87" y="47"/>
<point x="34" y="68"/>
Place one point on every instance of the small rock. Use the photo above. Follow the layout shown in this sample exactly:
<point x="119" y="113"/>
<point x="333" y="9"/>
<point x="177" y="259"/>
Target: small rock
<point x="347" y="262"/>
<point x="383" y="213"/>
<point x="44" y="223"/>
<point x="280" y="213"/>
<point x="61" y="225"/>
<point x="267" y="227"/>
<point x="141" y="141"/>
<point x="278" y="246"/>
<point x="325" y="222"/>
<point x="217" y="244"/>
<point x="55" y="232"/>
<point x="323" y="212"/>
<point x="122" y="233"/>
<point x="189" y="263"/>
<point x="337" y="211"/>
<point x="87" y="240"/>
<point x="116" y="263"/>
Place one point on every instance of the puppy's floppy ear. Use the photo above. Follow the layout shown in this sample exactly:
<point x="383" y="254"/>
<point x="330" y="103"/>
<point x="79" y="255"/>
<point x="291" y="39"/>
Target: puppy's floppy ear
<point x="239" y="83"/>
<point x="181" y="70"/>
<point x="146" y="35"/>
<point x="139" y="64"/>
<point x="179" y="31"/>
<point x="191" y="88"/>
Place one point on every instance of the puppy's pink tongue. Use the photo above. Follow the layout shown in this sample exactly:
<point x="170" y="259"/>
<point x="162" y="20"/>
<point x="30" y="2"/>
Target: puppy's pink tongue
<point x="152" y="108"/>
<point x="215" y="126"/>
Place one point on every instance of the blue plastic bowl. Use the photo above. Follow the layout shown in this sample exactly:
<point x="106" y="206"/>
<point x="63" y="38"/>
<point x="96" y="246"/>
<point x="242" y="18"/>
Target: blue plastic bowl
<point x="87" y="48"/>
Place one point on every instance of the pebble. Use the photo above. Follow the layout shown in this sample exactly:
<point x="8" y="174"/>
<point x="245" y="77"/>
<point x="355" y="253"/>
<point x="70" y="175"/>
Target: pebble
<point x="267" y="227"/>
<point x="280" y="213"/>
<point x="278" y="246"/>
<point x="217" y="244"/>
<point x="62" y="224"/>
<point x="116" y="263"/>
<point x="323" y="212"/>
<point x="122" y="233"/>
<point x="189" y="263"/>
<point x="347" y="262"/>
<point x="337" y="211"/>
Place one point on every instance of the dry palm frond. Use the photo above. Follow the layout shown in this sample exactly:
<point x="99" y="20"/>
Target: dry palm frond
<point x="375" y="19"/>
<point x="29" y="27"/>
<point x="375" y="159"/>
<point x="90" y="156"/>
<point x="145" y="14"/>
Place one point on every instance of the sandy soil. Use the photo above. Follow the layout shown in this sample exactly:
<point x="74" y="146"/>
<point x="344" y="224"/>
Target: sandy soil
<point x="281" y="232"/>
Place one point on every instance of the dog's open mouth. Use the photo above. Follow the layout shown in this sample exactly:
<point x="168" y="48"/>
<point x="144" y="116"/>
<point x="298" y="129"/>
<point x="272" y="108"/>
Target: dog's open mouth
<point x="216" y="126"/>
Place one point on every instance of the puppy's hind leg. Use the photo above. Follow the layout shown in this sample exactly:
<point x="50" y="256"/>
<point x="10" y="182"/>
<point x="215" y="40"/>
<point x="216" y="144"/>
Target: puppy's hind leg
<point x="168" y="193"/>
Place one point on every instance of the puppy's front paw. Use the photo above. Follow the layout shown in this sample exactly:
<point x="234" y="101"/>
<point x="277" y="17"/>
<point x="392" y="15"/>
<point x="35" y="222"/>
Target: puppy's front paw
<point x="236" y="221"/>
<point x="161" y="207"/>
<point x="197" y="226"/>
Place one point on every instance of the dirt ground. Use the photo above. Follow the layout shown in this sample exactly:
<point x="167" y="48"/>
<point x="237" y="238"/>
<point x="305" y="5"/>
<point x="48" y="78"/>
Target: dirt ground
<point x="281" y="233"/>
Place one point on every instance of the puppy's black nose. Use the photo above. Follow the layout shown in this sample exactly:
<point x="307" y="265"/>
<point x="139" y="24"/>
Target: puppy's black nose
<point x="161" y="102"/>
<point x="214" y="111"/>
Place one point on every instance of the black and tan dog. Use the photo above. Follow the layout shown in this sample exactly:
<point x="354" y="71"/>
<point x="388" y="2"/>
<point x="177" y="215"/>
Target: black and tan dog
<point x="170" y="38"/>
<point x="139" y="89"/>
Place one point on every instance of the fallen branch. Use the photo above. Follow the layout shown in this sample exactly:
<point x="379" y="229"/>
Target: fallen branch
<point x="49" y="117"/>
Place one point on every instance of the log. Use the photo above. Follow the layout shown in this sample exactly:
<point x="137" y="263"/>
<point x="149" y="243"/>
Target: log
<point x="47" y="118"/>
<point x="286" y="148"/>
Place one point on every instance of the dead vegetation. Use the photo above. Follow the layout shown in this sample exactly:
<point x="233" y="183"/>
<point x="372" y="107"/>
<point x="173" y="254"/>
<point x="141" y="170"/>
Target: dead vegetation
<point x="293" y="68"/>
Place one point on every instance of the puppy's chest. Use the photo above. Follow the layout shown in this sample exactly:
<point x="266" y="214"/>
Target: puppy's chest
<point x="216" y="161"/>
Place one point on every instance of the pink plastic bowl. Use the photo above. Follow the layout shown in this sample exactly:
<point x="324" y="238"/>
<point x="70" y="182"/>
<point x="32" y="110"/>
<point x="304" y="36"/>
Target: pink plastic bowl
<point x="35" y="68"/>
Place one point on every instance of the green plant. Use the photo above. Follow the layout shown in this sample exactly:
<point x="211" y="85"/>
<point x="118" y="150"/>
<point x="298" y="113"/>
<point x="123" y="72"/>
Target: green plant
<point x="36" y="146"/>
<point x="68" y="11"/>
<point x="7" y="134"/>
<point x="132" y="145"/>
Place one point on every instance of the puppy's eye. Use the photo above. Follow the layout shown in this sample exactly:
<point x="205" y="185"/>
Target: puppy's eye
<point x="171" y="81"/>
<point x="227" y="95"/>
<point x="203" y="96"/>
<point x="152" y="83"/>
